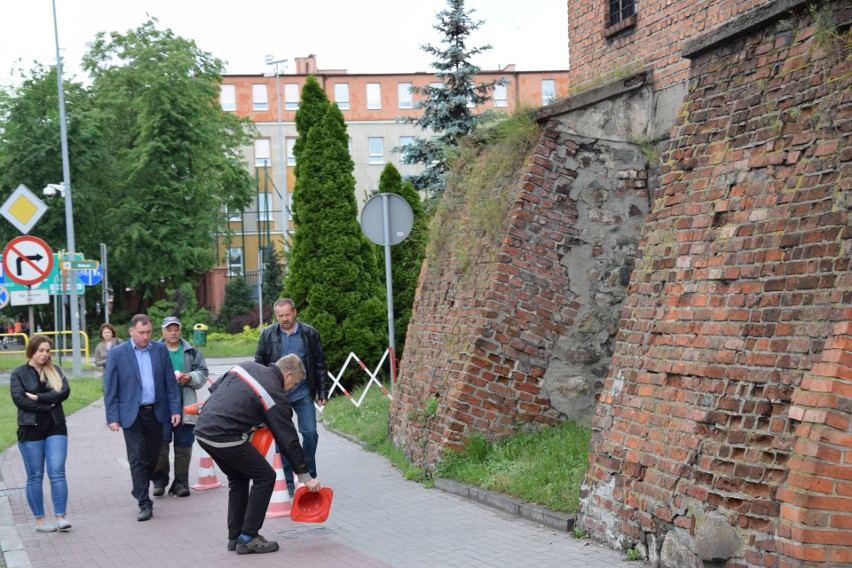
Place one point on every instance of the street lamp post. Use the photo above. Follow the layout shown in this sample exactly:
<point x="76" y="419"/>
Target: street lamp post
<point x="270" y="60"/>
<point x="69" y="211"/>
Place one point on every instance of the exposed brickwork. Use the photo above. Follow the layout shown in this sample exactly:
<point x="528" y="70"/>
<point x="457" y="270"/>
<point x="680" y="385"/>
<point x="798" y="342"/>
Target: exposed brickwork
<point x="662" y="27"/>
<point x="487" y="315"/>
<point x="730" y="387"/>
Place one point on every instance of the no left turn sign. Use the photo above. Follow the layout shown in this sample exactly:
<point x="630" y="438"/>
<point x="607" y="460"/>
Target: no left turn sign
<point x="27" y="260"/>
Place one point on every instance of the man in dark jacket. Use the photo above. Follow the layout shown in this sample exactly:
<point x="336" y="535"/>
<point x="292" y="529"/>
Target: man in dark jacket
<point x="292" y="336"/>
<point x="241" y="400"/>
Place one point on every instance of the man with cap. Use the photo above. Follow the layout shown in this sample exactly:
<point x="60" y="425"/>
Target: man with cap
<point x="191" y="374"/>
<point x="243" y="399"/>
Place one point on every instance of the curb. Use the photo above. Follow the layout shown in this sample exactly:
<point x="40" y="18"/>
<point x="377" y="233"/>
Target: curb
<point x="510" y="505"/>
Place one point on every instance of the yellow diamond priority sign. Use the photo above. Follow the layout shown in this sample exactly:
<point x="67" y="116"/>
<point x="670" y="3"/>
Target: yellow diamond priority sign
<point x="23" y="209"/>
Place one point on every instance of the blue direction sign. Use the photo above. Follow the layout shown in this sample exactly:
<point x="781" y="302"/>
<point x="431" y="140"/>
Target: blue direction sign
<point x="91" y="277"/>
<point x="4" y="297"/>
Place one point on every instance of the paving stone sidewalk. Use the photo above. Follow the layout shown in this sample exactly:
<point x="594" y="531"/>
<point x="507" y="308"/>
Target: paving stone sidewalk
<point x="378" y="519"/>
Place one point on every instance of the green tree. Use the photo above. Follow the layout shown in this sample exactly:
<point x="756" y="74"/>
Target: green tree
<point x="175" y="162"/>
<point x="407" y="256"/>
<point x="333" y="278"/>
<point x="31" y="154"/>
<point x="273" y="274"/>
<point x="446" y="109"/>
<point x="181" y="303"/>
<point x="313" y="105"/>
<point x="238" y="305"/>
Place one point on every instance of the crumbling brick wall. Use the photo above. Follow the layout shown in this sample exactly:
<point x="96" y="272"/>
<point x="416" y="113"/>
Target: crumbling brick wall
<point x="489" y="311"/>
<point x="723" y="434"/>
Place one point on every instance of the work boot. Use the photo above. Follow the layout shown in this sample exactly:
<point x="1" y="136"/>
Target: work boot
<point x="161" y="472"/>
<point x="180" y="487"/>
<point x="257" y="545"/>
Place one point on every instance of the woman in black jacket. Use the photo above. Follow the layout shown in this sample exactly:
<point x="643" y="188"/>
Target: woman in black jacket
<point x="38" y="389"/>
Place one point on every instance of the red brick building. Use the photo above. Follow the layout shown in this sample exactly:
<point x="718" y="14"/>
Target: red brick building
<point x="370" y="104"/>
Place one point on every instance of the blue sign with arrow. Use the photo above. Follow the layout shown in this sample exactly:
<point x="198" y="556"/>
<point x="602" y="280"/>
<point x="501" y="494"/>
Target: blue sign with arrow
<point x="91" y="277"/>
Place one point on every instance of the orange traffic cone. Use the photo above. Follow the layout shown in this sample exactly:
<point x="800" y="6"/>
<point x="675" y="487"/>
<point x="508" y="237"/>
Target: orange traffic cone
<point x="279" y="505"/>
<point x="311" y="507"/>
<point x="206" y="473"/>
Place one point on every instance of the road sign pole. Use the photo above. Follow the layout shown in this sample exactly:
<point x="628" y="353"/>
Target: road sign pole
<point x="104" y="286"/>
<point x="69" y="212"/>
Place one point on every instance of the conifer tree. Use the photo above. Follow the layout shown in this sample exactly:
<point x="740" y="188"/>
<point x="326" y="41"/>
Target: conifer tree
<point x="407" y="256"/>
<point x="446" y="111"/>
<point x="333" y="277"/>
<point x="313" y="105"/>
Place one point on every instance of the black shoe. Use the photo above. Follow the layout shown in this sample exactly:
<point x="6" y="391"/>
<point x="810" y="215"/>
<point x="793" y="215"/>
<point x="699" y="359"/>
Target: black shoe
<point x="178" y="489"/>
<point x="258" y="545"/>
<point x="232" y="544"/>
<point x="159" y="490"/>
<point x="291" y="490"/>
<point x="145" y="514"/>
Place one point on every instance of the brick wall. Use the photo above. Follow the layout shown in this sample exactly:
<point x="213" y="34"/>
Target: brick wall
<point x="490" y="310"/>
<point x="727" y="403"/>
<point x="661" y="30"/>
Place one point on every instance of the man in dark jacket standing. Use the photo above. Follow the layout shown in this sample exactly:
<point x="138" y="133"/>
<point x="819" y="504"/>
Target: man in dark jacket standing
<point x="292" y="336"/>
<point x="241" y="400"/>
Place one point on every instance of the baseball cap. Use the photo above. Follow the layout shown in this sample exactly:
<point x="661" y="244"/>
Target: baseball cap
<point x="170" y="320"/>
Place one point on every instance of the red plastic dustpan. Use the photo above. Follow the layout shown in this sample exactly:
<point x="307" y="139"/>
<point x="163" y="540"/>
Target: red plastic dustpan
<point x="310" y="507"/>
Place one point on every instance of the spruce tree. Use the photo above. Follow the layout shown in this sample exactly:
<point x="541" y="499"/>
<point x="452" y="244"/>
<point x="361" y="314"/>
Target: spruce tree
<point x="446" y="111"/>
<point x="407" y="256"/>
<point x="333" y="277"/>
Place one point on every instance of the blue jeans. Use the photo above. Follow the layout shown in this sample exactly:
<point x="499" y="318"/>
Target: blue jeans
<point x="51" y="451"/>
<point x="307" y="414"/>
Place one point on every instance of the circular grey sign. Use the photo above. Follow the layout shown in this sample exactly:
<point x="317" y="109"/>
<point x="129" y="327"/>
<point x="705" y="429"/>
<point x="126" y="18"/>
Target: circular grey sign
<point x="399" y="218"/>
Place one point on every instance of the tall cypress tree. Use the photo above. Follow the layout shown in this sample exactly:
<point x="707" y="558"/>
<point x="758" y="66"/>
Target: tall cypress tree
<point x="445" y="108"/>
<point x="407" y="256"/>
<point x="333" y="276"/>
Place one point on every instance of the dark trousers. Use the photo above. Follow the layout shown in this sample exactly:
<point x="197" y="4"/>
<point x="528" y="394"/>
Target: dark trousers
<point x="251" y="481"/>
<point x="143" y="441"/>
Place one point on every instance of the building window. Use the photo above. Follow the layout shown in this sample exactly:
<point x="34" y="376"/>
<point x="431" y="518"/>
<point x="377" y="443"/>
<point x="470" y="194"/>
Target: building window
<point x="262" y="153"/>
<point x="228" y="98"/>
<point x="291" y="96"/>
<point x="405" y="98"/>
<point x="291" y="158"/>
<point x="264" y="206"/>
<point x="235" y="262"/>
<point x="259" y="100"/>
<point x="341" y="95"/>
<point x="374" y="95"/>
<point x="235" y="216"/>
<point x="548" y="91"/>
<point x="404" y="142"/>
<point x="501" y="98"/>
<point x="377" y="150"/>
<point x="621" y="10"/>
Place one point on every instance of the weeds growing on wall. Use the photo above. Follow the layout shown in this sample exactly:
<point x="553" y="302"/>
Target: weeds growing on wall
<point x="480" y="183"/>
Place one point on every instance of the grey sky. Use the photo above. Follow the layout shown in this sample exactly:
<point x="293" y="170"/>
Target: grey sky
<point x="371" y="36"/>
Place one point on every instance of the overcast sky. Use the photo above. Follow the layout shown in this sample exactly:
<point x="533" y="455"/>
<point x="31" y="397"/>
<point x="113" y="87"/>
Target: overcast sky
<point x="370" y="36"/>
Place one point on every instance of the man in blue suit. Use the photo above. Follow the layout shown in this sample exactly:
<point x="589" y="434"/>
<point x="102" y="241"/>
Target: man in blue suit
<point x="140" y="395"/>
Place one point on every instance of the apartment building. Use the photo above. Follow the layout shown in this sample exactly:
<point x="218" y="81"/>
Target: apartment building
<point x="371" y="104"/>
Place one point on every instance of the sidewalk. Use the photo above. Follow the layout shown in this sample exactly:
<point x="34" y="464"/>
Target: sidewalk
<point x="378" y="519"/>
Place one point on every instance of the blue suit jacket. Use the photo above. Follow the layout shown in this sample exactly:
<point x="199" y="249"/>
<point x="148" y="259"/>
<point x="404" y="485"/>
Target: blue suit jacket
<point x="123" y="385"/>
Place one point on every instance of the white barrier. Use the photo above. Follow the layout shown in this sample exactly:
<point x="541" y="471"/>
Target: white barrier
<point x="336" y="379"/>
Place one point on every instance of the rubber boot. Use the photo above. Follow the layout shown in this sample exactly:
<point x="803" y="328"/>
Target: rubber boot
<point x="161" y="472"/>
<point x="180" y="486"/>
